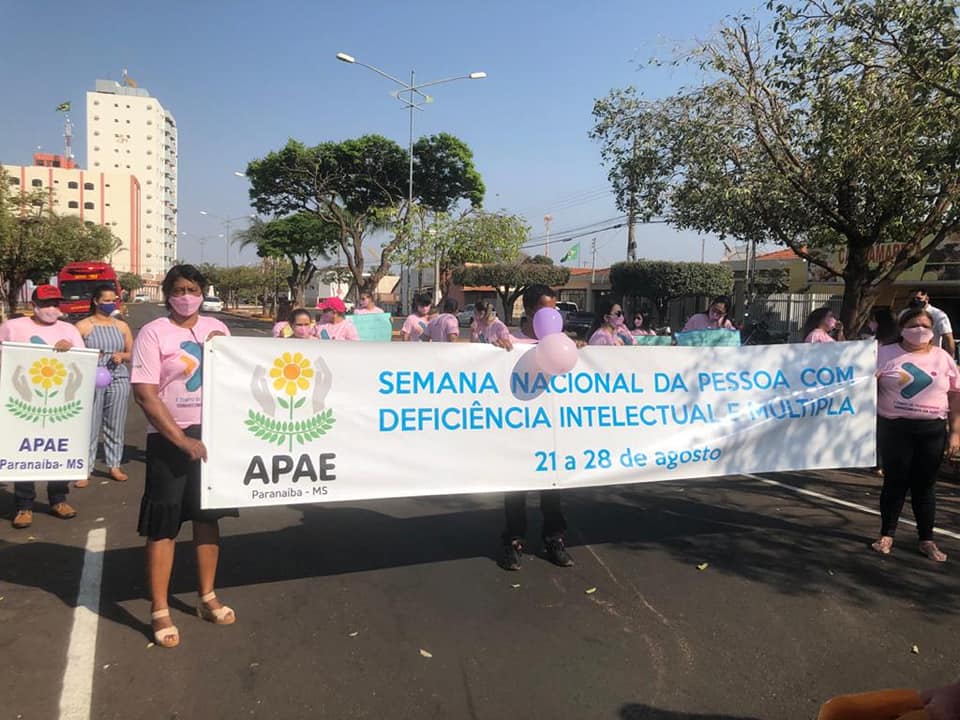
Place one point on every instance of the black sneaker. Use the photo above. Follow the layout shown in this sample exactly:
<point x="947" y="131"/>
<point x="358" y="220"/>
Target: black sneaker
<point x="557" y="552"/>
<point x="512" y="553"/>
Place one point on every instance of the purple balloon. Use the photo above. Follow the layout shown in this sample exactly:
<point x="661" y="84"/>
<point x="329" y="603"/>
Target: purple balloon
<point x="557" y="354"/>
<point x="104" y="377"/>
<point x="547" y="321"/>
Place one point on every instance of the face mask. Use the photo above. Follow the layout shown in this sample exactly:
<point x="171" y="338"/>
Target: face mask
<point x="47" y="315"/>
<point x="302" y="331"/>
<point x="918" y="335"/>
<point x="831" y="323"/>
<point x="185" y="305"/>
<point x="917" y="303"/>
<point x="615" y="320"/>
<point x="107" y="308"/>
<point x="327" y="317"/>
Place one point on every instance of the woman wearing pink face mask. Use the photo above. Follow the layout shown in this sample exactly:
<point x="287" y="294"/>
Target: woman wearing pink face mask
<point x="715" y="318"/>
<point x="301" y="325"/>
<point x="608" y="325"/>
<point x="167" y="380"/>
<point x="918" y="388"/>
<point x="822" y="327"/>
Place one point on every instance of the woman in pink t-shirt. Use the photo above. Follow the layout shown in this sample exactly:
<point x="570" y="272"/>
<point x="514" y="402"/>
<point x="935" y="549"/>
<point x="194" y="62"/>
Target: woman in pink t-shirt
<point x="167" y="380"/>
<point x="416" y="323"/>
<point x="821" y="327"/>
<point x="715" y="318"/>
<point x="918" y="389"/>
<point x="301" y="325"/>
<point x="367" y="306"/>
<point x="333" y="323"/>
<point x="639" y="325"/>
<point x="487" y="327"/>
<point x="608" y="325"/>
<point x="445" y="327"/>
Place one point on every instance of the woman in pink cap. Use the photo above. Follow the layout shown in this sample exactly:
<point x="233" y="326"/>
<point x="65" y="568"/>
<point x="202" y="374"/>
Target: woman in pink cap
<point x="332" y="323"/>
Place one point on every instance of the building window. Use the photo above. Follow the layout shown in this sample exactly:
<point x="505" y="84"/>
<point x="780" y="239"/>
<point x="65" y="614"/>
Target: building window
<point x="72" y="185"/>
<point x="96" y="132"/>
<point x="107" y="204"/>
<point x="97" y="164"/>
<point x="14" y="181"/>
<point x="116" y="105"/>
<point x="88" y="186"/>
<point x="149" y="122"/>
<point x="96" y="117"/>
<point x="88" y="205"/>
<point x="96" y="102"/>
<point x="37" y="183"/>
<point x="73" y="204"/>
<point x="149" y="211"/>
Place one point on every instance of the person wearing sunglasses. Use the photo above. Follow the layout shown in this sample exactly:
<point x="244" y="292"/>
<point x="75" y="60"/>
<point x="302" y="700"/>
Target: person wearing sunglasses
<point x="609" y="327"/>
<point x="44" y="327"/>
<point x="639" y="325"/>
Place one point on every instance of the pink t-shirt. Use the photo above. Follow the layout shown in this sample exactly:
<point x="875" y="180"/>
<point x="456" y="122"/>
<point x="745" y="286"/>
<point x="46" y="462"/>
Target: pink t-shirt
<point x="701" y="321"/>
<point x="642" y="332"/>
<point x="171" y="357"/>
<point x="915" y="384"/>
<point x="344" y="330"/>
<point x="818" y="336"/>
<point x="370" y="311"/>
<point x="25" y="330"/>
<point x="602" y="337"/>
<point x="282" y="329"/>
<point x="519" y="337"/>
<point x="415" y="325"/>
<point x="442" y="326"/>
<point x="495" y="331"/>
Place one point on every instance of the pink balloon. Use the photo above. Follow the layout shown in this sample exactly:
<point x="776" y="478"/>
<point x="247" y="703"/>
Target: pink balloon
<point x="104" y="377"/>
<point x="547" y="321"/>
<point x="557" y="354"/>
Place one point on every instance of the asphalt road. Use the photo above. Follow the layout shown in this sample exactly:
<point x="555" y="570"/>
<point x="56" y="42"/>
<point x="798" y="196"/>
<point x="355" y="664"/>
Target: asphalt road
<point x="336" y="602"/>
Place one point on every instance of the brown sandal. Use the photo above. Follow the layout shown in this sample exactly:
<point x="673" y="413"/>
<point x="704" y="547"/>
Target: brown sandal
<point x="884" y="545"/>
<point x="930" y="549"/>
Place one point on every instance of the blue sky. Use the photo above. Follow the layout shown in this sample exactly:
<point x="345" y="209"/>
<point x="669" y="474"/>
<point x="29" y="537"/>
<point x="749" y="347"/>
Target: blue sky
<point x="242" y="77"/>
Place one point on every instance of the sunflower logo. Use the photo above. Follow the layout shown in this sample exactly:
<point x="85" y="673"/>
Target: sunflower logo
<point x="43" y="382"/>
<point x="47" y="372"/>
<point x="291" y="374"/>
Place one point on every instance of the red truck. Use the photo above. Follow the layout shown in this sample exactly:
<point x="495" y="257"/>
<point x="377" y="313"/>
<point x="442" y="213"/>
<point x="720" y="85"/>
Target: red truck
<point x="77" y="282"/>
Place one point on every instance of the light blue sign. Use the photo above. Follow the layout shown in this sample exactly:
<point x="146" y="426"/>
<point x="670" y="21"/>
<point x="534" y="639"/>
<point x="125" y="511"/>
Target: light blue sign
<point x="652" y="340"/>
<point x="373" y="327"/>
<point x="709" y="338"/>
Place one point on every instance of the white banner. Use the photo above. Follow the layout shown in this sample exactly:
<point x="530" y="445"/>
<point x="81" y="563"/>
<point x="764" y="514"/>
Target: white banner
<point x="47" y="401"/>
<point x="295" y="421"/>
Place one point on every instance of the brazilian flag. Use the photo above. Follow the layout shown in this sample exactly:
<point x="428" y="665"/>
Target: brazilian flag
<point x="64" y="107"/>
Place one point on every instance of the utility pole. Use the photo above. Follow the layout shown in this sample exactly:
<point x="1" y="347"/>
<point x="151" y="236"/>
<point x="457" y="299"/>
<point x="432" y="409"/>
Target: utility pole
<point x="632" y="212"/>
<point x="547" y="219"/>
<point x="703" y="248"/>
<point x="593" y="252"/>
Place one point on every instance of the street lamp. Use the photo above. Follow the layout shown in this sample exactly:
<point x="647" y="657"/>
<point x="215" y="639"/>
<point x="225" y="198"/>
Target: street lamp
<point x="414" y="101"/>
<point x="226" y="221"/>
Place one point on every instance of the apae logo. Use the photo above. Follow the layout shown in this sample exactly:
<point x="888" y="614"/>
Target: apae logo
<point x="48" y="395"/>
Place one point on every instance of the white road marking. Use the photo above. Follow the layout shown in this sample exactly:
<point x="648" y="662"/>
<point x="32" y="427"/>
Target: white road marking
<point x="77" y="693"/>
<point x="844" y="503"/>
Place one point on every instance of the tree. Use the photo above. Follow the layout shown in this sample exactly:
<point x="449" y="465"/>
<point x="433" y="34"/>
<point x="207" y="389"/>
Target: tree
<point x="660" y="282"/>
<point x="302" y="238"/>
<point x="240" y="283"/>
<point x="511" y="279"/>
<point x="35" y="243"/>
<point x="360" y="186"/>
<point x="444" y="174"/>
<point x="129" y="282"/>
<point x="838" y="135"/>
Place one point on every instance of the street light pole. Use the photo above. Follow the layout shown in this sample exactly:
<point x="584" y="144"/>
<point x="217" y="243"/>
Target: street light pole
<point x="412" y="90"/>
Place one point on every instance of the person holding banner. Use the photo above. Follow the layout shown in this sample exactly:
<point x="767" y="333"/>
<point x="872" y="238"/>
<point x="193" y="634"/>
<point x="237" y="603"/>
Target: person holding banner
<point x="608" y="326"/>
<point x="416" y="323"/>
<point x="44" y="327"/>
<point x="333" y="323"/>
<point x="167" y="383"/>
<point x="918" y="389"/>
<point x="445" y="327"/>
<point x="367" y="306"/>
<point x="535" y="297"/>
<point x="486" y="327"/>
<point x="113" y="338"/>
<point x="715" y="318"/>
<point x="821" y="326"/>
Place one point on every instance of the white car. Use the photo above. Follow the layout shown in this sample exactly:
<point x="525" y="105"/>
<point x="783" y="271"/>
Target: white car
<point x="465" y="316"/>
<point x="212" y="304"/>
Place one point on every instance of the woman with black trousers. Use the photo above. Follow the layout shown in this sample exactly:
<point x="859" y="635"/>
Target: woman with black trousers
<point x="918" y="389"/>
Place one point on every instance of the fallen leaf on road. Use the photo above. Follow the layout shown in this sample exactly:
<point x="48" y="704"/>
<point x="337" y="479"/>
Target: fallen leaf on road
<point x="915" y="650"/>
<point x="425" y="654"/>
<point x="149" y="645"/>
<point x="354" y="633"/>
<point x="703" y="566"/>
<point x="514" y="586"/>
<point x="31" y="538"/>
<point x="590" y="591"/>
<point x="104" y="482"/>
<point x="100" y="519"/>
<point x="107" y="666"/>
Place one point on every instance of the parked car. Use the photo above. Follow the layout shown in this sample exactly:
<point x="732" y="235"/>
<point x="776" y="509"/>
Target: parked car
<point x="579" y="323"/>
<point x="465" y="316"/>
<point x="212" y="304"/>
<point x="141" y="297"/>
<point x="566" y="307"/>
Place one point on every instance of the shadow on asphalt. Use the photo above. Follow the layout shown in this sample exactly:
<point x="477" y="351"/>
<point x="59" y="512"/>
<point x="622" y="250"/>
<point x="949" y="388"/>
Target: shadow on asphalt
<point x="646" y="712"/>
<point x="794" y="545"/>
